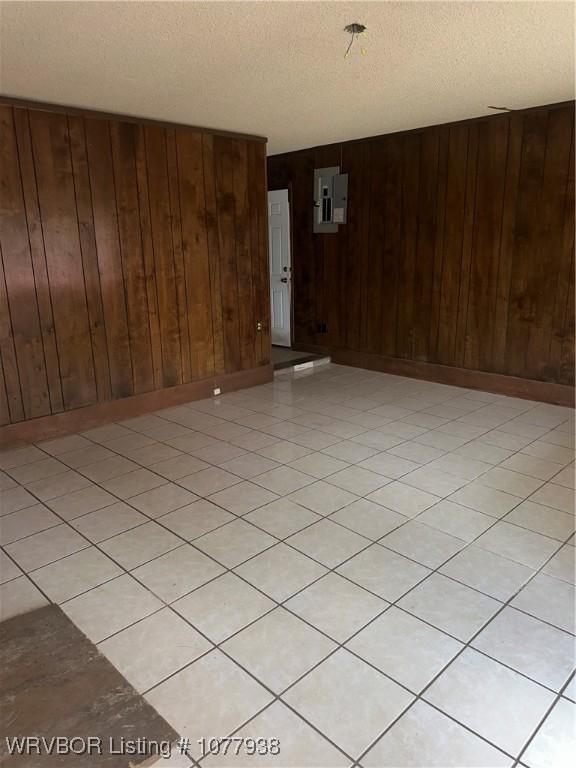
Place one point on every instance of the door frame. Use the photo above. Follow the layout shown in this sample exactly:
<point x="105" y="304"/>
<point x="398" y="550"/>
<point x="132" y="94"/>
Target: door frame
<point x="288" y="189"/>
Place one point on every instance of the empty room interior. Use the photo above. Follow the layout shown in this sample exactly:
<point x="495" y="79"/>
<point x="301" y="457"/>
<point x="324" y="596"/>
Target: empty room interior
<point x="287" y="384"/>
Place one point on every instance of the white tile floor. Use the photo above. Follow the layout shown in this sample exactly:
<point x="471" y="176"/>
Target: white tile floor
<point x="376" y="571"/>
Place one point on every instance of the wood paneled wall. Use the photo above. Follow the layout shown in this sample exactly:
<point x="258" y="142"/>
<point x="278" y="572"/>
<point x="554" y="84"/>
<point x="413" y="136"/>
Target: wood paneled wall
<point x="134" y="258"/>
<point x="459" y="247"/>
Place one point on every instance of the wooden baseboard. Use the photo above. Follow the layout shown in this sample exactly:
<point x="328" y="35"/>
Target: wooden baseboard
<point x="512" y="386"/>
<point x="81" y="419"/>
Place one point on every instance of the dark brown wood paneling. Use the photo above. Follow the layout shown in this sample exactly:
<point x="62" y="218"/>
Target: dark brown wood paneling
<point x="458" y="248"/>
<point x="133" y="258"/>
<point x="27" y="380"/>
<point x="53" y="163"/>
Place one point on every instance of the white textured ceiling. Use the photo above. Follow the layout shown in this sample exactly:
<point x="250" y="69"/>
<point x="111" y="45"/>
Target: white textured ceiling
<point x="277" y="68"/>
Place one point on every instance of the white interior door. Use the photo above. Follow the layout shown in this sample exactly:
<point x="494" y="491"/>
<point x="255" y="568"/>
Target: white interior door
<point x="280" y="266"/>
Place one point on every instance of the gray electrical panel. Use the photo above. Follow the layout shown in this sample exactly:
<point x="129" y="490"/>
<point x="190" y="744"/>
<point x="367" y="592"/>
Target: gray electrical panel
<point x="330" y="199"/>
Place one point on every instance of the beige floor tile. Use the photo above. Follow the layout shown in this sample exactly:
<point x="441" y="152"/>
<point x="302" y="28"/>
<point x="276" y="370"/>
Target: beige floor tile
<point x="139" y="545"/>
<point x="319" y="465"/>
<point x="368" y="519"/>
<point x="566" y="477"/>
<point x="57" y="485"/>
<point x="328" y="543"/>
<point x="106" y="433"/>
<point x="537" y="650"/>
<point x="181" y="466"/>
<point x="37" y="470"/>
<point x="196" y="519"/>
<point x="510" y="482"/>
<point x="322" y="497"/>
<point x="249" y="465"/>
<point x="25" y="522"/>
<point x="282" y="518"/>
<point x="489" y="501"/>
<point x="218" y="453"/>
<point x="355" y="719"/>
<point x="128" y="443"/>
<point x="18" y="457"/>
<point x="278" y="649"/>
<point x="383" y="572"/>
<point x="153" y="454"/>
<point x="81" y="502"/>
<point x="154" y="648"/>
<point x="46" y="547"/>
<point x="223" y="607"/>
<point x="107" y="522"/>
<point x="336" y="606"/>
<point x="389" y="465"/>
<point x="377" y="438"/>
<point x="163" y="499"/>
<point x="283" y="480"/>
<point x="133" y="483"/>
<point x="8" y="569"/>
<point x="556" y="496"/>
<point x="518" y="544"/>
<point x="423" y="544"/>
<point x="60" y="445"/>
<point x="109" y="469"/>
<point x="548" y="599"/>
<point x="516" y="704"/>
<point x="177" y="572"/>
<point x="299" y="743"/>
<point x="562" y="565"/>
<point x="86" y="456"/>
<point x="111" y="607"/>
<point x="403" y="498"/>
<point x="19" y="596"/>
<point x="243" y="498"/>
<point x="456" y="520"/>
<point x="416" y="452"/>
<point x="234" y="543"/>
<point x="208" y="481"/>
<point x="253" y="440"/>
<point x="350" y="451"/>
<point x="13" y="499"/>
<point x="553" y="745"/>
<point x="358" y="480"/>
<point x="487" y="572"/>
<point x="224" y="698"/>
<point x="532" y="466"/>
<point x="283" y="451"/>
<point x="434" y="481"/>
<point x="280" y="571"/>
<point x="540" y="519"/>
<point x="6" y="482"/>
<point x="424" y="736"/>
<point x="405" y="648"/>
<point x="450" y="606"/>
<point x="75" y="574"/>
<point x="460" y="466"/>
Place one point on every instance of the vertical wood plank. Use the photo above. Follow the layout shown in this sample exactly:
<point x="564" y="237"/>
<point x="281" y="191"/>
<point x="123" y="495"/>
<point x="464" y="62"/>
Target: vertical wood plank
<point x="99" y="152"/>
<point x="209" y="172"/>
<point x="224" y="161"/>
<point x="244" y="266"/>
<point x="161" y="227"/>
<point x="21" y="298"/>
<point x="148" y="256"/>
<point x="177" y="250"/>
<point x="195" y="253"/>
<point x="10" y="373"/>
<point x="453" y="241"/>
<point x="36" y="240"/>
<point x="485" y="256"/>
<point x="133" y="271"/>
<point x="87" y="236"/>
